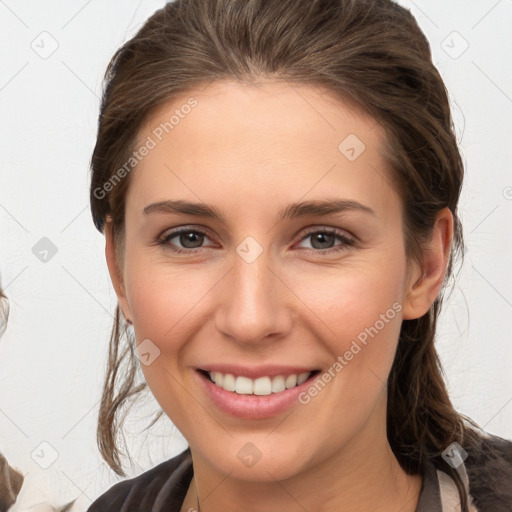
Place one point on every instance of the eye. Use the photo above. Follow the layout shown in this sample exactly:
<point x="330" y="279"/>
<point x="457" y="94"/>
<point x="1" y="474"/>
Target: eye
<point x="323" y="240"/>
<point x="189" y="240"/>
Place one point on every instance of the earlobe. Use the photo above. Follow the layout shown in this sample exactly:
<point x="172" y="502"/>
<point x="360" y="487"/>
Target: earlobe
<point x="114" y="270"/>
<point x="426" y="279"/>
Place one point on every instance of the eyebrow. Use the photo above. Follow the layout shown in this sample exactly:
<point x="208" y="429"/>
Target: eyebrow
<point x="293" y="210"/>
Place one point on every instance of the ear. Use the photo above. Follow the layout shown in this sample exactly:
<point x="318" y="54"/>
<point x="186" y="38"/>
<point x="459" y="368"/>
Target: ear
<point x="426" y="278"/>
<point x="114" y="270"/>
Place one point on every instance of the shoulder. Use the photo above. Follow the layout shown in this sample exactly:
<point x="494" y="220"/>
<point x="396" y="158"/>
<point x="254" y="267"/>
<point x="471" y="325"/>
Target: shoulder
<point x="489" y="469"/>
<point x="159" y="488"/>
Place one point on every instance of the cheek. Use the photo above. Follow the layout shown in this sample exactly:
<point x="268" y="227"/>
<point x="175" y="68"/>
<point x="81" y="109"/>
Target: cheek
<point x="164" y="297"/>
<point x="350" y="299"/>
<point x="166" y="302"/>
<point x="362" y="341"/>
<point x="360" y="312"/>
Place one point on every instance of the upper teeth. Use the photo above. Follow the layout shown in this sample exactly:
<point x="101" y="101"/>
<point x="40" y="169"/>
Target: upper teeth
<point x="260" y="386"/>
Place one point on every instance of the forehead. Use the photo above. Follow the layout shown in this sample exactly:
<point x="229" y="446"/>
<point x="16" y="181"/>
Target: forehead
<point x="271" y="138"/>
<point x="252" y="111"/>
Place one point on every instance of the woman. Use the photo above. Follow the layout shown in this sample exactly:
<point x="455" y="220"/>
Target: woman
<point x="278" y="182"/>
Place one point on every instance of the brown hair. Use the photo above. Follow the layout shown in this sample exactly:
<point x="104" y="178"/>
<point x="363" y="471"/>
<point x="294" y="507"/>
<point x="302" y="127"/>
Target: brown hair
<point x="371" y="51"/>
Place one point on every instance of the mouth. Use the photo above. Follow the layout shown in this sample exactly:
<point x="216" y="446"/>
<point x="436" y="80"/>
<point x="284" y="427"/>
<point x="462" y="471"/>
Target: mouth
<point x="263" y="397"/>
<point x="261" y="386"/>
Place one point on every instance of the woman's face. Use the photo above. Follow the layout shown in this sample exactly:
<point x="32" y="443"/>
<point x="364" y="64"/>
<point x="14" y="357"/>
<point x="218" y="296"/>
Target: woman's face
<point x="274" y="284"/>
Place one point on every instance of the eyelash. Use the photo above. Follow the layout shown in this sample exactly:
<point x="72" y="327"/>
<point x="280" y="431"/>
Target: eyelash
<point x="346" y="242"/>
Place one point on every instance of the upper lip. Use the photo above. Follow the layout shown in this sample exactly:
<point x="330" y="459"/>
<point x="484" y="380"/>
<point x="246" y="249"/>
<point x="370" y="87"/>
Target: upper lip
<point x="254" y="372"/>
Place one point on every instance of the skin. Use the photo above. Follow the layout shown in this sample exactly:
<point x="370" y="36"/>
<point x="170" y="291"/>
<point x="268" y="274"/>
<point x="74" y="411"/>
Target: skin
<point x="250" y="151"/>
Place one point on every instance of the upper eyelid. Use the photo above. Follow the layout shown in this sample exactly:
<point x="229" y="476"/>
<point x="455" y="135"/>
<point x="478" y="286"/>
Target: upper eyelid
<point x="337" y="231"/>
<point x="306" y="231"/>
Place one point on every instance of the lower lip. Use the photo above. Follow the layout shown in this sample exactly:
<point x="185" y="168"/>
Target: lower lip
<point x="252" y="407"/>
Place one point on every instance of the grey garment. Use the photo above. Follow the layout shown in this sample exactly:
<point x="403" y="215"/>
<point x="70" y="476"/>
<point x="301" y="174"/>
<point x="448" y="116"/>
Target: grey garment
<point x="488" y="470"/>
<point x="430" y="496"/>
<point x="160" y="489"/>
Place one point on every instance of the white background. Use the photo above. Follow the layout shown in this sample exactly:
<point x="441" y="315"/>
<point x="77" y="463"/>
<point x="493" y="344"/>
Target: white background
<point x="53" y="353"/>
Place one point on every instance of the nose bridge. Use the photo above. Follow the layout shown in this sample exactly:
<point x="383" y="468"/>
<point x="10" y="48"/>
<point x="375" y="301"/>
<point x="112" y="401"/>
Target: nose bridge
<point x="252" y="304"/>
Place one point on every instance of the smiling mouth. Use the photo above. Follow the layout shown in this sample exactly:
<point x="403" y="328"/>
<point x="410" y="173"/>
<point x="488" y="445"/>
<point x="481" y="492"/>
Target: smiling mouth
<point x="261" y="386"/>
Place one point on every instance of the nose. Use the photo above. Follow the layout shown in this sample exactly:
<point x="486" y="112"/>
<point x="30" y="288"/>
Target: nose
<point x="254" y="302"/>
